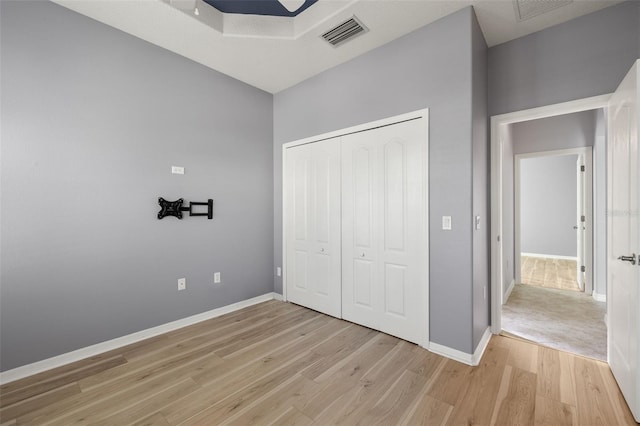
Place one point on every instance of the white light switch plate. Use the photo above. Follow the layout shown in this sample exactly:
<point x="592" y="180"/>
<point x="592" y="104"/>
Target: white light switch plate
<point x="446" y="223"/>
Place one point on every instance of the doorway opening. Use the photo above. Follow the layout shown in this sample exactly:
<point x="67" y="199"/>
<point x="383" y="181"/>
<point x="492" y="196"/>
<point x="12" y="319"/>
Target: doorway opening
<point x="552" y="302"/>
<point x="547" y="283"/>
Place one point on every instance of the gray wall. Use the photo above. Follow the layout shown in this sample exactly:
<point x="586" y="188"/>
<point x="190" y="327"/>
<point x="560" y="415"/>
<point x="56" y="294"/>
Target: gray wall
<point x="428" y="68"/>
<point x="480" y="184"/>
<point x="584" y="57"/>
<point x="548" y="201"/>
<point x="575" y="130"/>
<point x="92" y="121"/>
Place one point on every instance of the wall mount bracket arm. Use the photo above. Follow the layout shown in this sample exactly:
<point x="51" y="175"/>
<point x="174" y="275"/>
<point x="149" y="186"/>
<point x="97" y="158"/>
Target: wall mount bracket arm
<point x="175" y="208"/>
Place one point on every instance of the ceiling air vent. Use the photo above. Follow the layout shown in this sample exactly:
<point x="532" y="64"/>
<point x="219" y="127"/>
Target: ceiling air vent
<point x="527" y="9"/>
<point x="344" y="31"/>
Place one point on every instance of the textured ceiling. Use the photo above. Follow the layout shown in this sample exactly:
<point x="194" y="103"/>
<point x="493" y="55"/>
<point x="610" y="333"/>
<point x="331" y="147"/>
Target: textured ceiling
<point x="274" y="53"/>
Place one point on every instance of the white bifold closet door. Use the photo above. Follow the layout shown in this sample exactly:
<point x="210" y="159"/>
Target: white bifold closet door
<point x="312" y="215"/>
<point x="384" y="248"/>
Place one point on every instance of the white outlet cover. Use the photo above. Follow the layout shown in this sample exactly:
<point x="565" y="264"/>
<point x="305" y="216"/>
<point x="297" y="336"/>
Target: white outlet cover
<point x="182" y="284"/>
<point x="177" y="170"/>
<point x="216" y="277"/>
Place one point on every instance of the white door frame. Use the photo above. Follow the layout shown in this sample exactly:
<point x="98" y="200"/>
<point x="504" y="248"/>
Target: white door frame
<point x="588" y="246"/>
<point x="418" y="114"/>
<point x="497" y="122"/>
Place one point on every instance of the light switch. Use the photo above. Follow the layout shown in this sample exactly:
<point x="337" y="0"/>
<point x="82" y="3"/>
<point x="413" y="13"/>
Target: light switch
<point x="477" y="222"/>
<point x="446" y="223"/>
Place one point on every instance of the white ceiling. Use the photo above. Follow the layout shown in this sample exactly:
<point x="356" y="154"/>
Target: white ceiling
<point x="276" y="53"/>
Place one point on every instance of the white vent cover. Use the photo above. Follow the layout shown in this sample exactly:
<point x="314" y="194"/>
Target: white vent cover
<point x="344" y="31"/>
<point x="527" y="9"/>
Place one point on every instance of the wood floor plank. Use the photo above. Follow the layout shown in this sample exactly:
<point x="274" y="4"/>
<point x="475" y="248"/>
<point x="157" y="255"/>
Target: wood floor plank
<point x="338" y="348"/>
<point x="358" y="363"/>
<point x="57" y="373"/>
<point x="278" y="363"/>
<point x="123" y="410"/>
<point x="227" y="407"/>
<point x="58" y="381"/>
<point x="522" y="354"/>
<point x="551" y="412"/>
<point x="277" y="404"/>
<point x="428" y="411"/>
<point x="619" y="405"/>
<point x="475" y="404"/>
<point x="595" y="405"/>
<point x="451" y="382"/>
<point x="568" y="379"/>
<point x="141" y="407"/>
<point x="293" y="417"/>
<point x="38" y="401"/>
<point x="397" y="400"/>
<point x="227" y="325"/>
<point x="152" y="420"/>
<point x="218" y="383"/>
<point x="240" y="367"/>
<point x="548" y="377"/>
<point x="354" y="402"/>
<point x="516" y="398"/>
<point x="124" y="389"/>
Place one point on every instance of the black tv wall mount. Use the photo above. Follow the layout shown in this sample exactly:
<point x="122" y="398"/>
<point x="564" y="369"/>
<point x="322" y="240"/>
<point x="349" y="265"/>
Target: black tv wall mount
<point x="174" y="208"/>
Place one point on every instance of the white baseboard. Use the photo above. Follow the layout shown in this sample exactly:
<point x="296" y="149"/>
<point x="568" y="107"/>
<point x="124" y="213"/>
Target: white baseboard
<point x="463" y="357"/>
<point x="93" y="350"/>
<point x="509" y="290"/>
<point x="482" y="346"/>
<point x="278" y="296"/>
<point x="549" y="256"/>
<point x="599" y="297"/>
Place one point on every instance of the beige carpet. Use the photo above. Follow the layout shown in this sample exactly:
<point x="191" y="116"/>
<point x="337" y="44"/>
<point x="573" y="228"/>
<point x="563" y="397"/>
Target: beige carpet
<point x="566" y="320"/>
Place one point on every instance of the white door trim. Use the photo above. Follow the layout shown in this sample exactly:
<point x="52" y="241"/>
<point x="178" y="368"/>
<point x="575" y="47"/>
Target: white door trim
<point x="497" y="121"/>
<point x="588" y="246"/>
<point x="413" y="115"/>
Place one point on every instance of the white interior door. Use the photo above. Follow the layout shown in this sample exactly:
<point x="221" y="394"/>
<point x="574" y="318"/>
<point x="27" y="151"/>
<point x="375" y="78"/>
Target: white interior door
<point x="384" y="261"/>
<point x="312" y="215"/>
<point x="580" y="221"/>
<point x="623" y="214"/>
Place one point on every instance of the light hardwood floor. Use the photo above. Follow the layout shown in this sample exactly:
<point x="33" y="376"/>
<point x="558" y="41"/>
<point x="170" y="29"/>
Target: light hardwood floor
<point x="549" y="273"/>
<point x="277" y="363"/>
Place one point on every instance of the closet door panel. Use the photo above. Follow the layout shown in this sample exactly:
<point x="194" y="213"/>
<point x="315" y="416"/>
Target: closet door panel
<point x="395" y="290"/>
<point x="384" y="178"/>
<point x="312" y="211"/>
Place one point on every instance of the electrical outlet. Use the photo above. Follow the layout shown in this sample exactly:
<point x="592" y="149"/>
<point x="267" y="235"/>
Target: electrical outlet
<point x="216" y="278"/>
<point x="182" y="284"/>
<point x="278" y="271"/>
